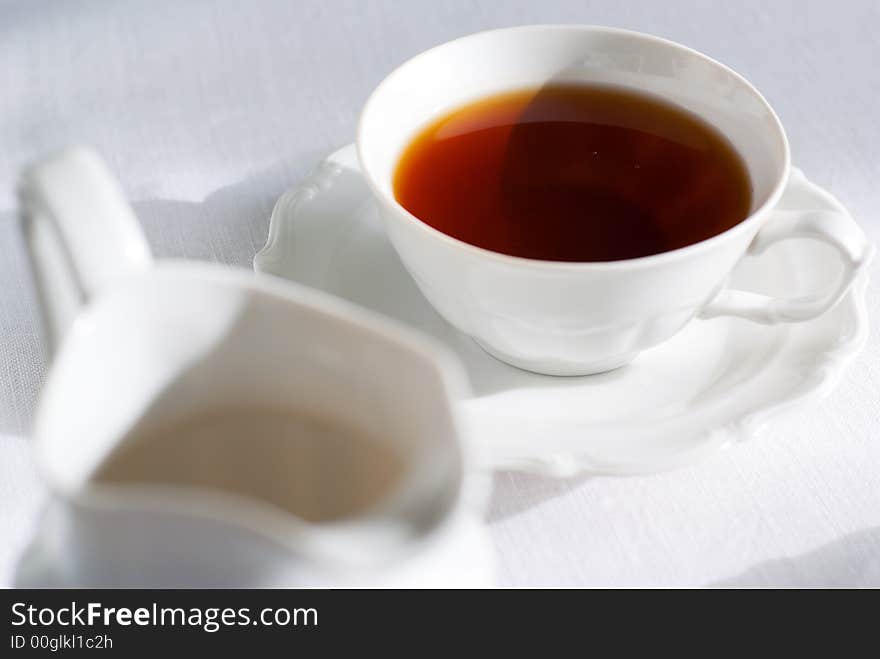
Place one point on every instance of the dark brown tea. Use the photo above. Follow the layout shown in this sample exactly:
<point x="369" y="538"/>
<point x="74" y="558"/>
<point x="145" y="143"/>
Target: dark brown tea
<point x="574" y="173"/>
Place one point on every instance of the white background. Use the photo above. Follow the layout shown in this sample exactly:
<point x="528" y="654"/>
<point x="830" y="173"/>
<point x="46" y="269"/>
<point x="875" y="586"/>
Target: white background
<point x="209" y="110"/>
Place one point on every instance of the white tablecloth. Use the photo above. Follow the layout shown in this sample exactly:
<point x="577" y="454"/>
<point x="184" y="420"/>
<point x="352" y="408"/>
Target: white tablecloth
<point x="209" y="110"/>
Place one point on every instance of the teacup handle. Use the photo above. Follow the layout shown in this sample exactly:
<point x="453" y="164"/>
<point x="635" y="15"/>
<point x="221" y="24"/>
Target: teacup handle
<point x="79" y="231"/>
<point x="830" y="227"/>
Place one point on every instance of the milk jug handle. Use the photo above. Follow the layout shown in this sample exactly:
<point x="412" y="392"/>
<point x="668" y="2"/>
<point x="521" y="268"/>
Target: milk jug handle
<point x="80" y="233"/>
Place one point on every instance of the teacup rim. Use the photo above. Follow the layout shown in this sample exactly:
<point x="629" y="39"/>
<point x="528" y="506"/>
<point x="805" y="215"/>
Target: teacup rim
<point x="641" y="261"/>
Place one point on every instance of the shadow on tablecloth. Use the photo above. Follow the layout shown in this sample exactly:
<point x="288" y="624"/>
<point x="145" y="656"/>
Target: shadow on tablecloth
<point x="849" y="562"/>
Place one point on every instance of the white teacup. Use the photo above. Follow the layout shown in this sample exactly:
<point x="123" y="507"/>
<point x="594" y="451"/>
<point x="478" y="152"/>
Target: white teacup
<point x="581" y="318"/>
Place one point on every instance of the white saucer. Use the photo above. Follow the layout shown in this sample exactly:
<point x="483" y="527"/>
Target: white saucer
<point x="716" y="382"/>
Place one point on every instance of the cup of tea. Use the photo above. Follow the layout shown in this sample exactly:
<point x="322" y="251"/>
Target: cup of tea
<point x="570" y="196"/>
